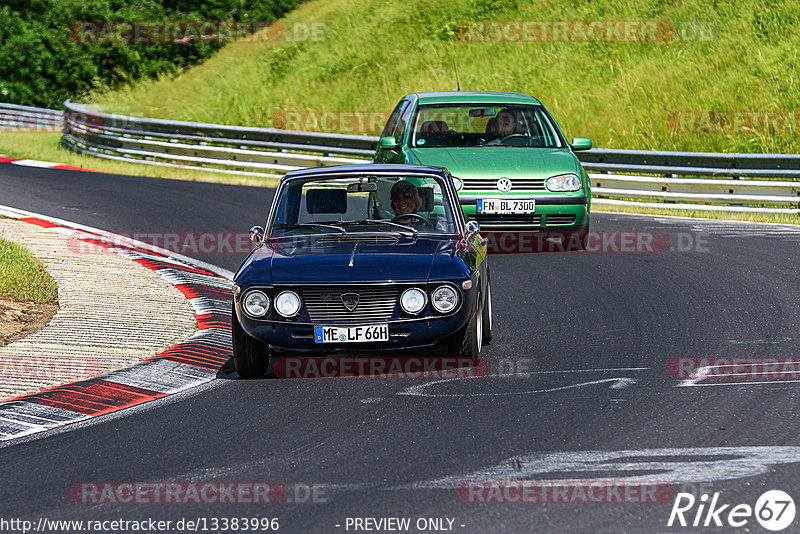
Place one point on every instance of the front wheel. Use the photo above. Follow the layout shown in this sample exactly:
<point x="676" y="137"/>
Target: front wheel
<point x="250" y="356"/>
<point x="487" y="311"/>
<point x="467" y="343"/>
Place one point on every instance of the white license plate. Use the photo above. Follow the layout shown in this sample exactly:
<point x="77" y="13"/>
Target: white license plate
<point x="351" y="334"/>
<point x="503" y="206"/>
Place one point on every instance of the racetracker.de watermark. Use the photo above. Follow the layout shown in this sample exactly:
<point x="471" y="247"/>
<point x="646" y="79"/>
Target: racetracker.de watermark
<point x="730" y="122"/>
<point x="188" y="32"/>
<point x="351" y="121"/>
<point x="734" y="368"/>
<point x="186" y="243"/>
<point x="57" y="369"/>
<point x="379" y="367"/>
<point x="564" y="492"/>
<point x="94" y="493"/>
<point x="565" y="31"/>
<point x="600" y="242"/>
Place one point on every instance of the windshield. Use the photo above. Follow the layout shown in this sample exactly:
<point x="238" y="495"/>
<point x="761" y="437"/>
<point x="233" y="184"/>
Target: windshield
<point x="366" y="204"/>
<point x="476" y="125"/>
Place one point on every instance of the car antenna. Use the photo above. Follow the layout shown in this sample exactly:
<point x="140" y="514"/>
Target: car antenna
<point x="458" y="84"/>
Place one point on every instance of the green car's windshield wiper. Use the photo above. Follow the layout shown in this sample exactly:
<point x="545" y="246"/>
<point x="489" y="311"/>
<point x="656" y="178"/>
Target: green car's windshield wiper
<point x="390" y="223"/>
<point x="311" y="225"/>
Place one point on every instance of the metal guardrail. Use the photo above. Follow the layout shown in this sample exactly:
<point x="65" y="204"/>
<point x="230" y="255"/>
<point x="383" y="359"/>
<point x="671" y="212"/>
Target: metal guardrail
<point x="13" y="117"/>
<point x="679" y="180"/>
<point x="211" y="147"/>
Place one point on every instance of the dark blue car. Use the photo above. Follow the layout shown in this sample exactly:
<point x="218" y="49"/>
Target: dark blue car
<point x="362" y="259"/>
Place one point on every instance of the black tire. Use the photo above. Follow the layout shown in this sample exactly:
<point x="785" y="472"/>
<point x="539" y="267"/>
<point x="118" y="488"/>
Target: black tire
<point x="467" y="342"/>
<point x="487" y="311"/>
<point x="250" y="356"/>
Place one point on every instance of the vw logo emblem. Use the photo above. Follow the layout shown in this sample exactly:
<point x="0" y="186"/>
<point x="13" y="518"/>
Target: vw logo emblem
<point x="350" y="301"/>
<point x="504" y="184"/>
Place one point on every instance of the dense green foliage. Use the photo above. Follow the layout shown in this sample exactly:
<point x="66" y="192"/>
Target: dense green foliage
<point x="43" y="62"/>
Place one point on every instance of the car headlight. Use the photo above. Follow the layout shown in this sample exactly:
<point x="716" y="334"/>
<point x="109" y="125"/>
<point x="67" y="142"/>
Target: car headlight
<point x="413" y="300"/>
<point x="444" y="299"/>
<point x="287" y="303"/>
<point x="563" y="182"/>
<point x="256" y="303"/>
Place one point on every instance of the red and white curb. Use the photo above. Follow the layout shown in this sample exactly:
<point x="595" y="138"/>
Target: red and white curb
<point x="43" y="164"/>
<point x="195" y="361"/>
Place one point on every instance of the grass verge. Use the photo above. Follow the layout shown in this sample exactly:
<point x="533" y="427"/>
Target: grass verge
<point x="23" y="277"/>
<point x="775" y="218"/>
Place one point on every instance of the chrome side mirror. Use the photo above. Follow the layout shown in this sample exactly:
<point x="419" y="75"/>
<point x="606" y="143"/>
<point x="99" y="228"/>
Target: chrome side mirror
<point x="256" y="234"/>
<point x="473" y="227"/>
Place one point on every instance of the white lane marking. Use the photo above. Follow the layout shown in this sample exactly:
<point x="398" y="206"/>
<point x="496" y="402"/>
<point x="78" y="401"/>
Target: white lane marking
<point x="205" y="305"/>
<point x="682" y="465"/>
<point x="711" y="384"/>
<point x="700" y="374"/>
<point x="34" y="163"/>
<point x="416" y="391"/>
<point x="164" y="376"/>
<point x="371" y="400"/>
<point x="21" y="418"/>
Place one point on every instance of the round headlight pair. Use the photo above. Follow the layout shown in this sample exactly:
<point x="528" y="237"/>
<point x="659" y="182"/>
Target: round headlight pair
<point x="413" y="300"/>
<point x="563" y="182"/>
<point x="444" y="299"/>
<point x="256" y="303"/>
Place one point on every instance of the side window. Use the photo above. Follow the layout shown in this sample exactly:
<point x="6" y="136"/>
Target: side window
<point x="391" y="124"/>
<point x="402" y="124"/>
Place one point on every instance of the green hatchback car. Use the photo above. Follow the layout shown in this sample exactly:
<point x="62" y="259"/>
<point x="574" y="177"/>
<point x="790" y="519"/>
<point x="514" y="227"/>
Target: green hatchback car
<point x="517" y="170"/>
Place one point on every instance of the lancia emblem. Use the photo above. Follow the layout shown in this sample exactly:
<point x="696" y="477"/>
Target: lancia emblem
<point x="504" y="184"/>
<point x="350" y="301"/>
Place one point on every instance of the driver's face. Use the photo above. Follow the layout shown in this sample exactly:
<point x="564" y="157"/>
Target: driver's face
<point x="505" y="124"/>
<point x="403" y="204"/>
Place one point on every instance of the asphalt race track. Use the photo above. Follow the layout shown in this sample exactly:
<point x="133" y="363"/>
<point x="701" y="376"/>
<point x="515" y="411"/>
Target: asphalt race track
<point x="580" y="387"/>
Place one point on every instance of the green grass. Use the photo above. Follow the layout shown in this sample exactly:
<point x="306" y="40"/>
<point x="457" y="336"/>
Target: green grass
<point x="776" y="218"/>
<point x="23" y="277"/>
<point x="46" y="146"/>
<point x="621" y="94"/>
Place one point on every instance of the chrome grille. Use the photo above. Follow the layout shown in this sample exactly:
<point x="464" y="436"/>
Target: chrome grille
<point x="325" y="305"/>
<point x="517" y="184"/>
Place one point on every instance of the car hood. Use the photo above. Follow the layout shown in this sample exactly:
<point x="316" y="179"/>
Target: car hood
<point x="503" y="161"/>
<point x="303" y="262"/>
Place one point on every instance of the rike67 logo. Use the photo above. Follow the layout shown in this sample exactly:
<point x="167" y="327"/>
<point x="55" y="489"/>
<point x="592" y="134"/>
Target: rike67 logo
<point x="774" y="510"/>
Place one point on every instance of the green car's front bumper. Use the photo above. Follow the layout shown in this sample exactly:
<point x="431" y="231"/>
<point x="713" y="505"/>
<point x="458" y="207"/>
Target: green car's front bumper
<point x="569" y="214"/>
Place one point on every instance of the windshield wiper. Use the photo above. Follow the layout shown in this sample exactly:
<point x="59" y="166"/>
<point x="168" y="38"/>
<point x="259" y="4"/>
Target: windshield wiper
<point x="411" y="229"/>
<point x="339" y="229"/>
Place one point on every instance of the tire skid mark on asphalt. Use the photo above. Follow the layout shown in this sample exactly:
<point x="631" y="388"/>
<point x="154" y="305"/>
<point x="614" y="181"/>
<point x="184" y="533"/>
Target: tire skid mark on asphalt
<point x="195" y="361"/>
<point x="616" y="383"/>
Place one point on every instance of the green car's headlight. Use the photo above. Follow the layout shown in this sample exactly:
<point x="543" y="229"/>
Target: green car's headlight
<point x="563" y="182"/>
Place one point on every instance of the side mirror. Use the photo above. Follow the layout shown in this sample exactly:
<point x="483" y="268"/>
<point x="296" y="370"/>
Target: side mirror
<point x="580" y="143"/>
<point x="388" y="143"/>
<point x="473" y="227"/>
<point x="256" y="234"/>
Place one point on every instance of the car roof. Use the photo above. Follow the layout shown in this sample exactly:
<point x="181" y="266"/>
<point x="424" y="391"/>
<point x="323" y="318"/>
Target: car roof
<point x="370" y="169"/>
<point x="478" y="97"/>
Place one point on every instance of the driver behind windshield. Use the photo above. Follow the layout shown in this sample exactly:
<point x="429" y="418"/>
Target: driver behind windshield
<point x="503" y="125"/>
<point x="405" y="198"/>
